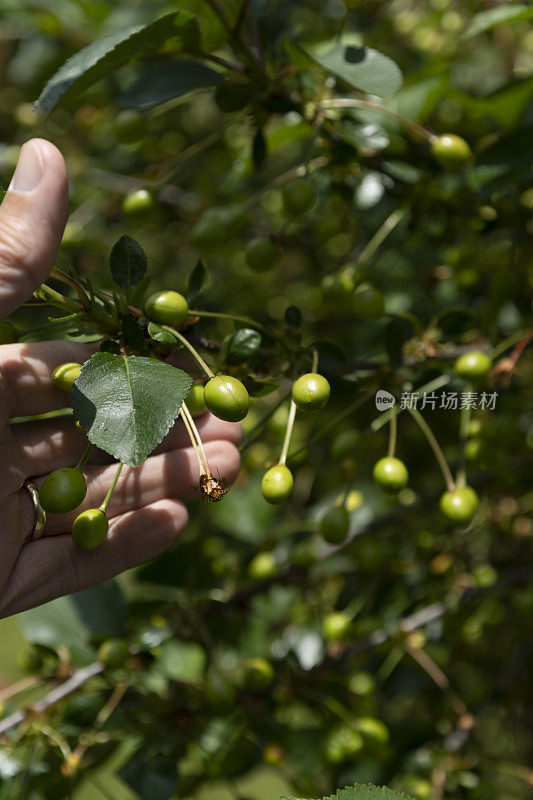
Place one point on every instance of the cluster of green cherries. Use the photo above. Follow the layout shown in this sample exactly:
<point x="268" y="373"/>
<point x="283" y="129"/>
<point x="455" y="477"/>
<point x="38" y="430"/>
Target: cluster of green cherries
<point x="227" y="398"/>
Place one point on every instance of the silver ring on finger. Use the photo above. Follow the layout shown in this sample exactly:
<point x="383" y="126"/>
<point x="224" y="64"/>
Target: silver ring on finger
<point x="40" y="513"/>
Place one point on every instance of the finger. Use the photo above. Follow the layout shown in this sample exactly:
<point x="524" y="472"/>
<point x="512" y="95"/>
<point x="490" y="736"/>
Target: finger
<point x="53" y="443"/>
<point x="174" y="474"/>
<point x="53" y="567"/>
<point x="26" y="375"/>
<point x="32" y="220"/>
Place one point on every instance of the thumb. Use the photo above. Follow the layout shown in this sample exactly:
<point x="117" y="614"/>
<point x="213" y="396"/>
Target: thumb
<point x="32" y="220"/>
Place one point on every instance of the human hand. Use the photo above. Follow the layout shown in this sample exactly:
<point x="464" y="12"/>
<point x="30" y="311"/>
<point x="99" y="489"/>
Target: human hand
<point x="147" y="511"/>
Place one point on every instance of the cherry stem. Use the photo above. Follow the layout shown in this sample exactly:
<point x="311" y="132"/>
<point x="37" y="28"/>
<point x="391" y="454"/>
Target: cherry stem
<point x="464" y="424"/>
<point x="108" y="496"/>
<point x="345" y="102"/>
<point x="196" y="440"/>
<point x="314" y="367"/>
<point x="435" y="446"/>
<point x="85" y="457"/>
<point x="393" y="435"/>
<point x="288" y="434"/>
<point x="381" y="234"/>
<point x="195" y="354"/>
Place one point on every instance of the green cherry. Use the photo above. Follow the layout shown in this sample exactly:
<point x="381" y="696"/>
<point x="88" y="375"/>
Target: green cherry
<point x="391" y="475"/>
<point x="227" y="398"/>
<point x="460" y="505"/>
<point x="258" y="674"/>
<point x="129" y="127"/>
<point x="65" y="375"/>
<point x="336" y="626"/>
<point x="8" y="333"/>
<point x="298" y="197"/>
<point x="311" y="392"/>
<point x="168" y="308"/>
<point x="209" y="232"/>
<point x="262" y="566"/>
<point x="473" y="366"/>
<point x="89" y="529"/>
<point x="113" y="653"/>
<point x="334" y="525"/>
<point x="261" y="254"/>
<point x="138" y="203"/>
<point x="368" y="302"/>
<point x="195" y="400"/>
<point x="63" y="490"/>
<point x="277" y="484"/>
<point x="451" y="151"/>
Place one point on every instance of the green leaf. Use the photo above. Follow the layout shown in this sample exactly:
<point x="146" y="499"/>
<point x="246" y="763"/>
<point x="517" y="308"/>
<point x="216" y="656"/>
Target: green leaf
<point x="499" y="15"/>
<point x="105" y="56"/>
<point x="182" y="661"/>
<point x="127" y="404"/>
<point x="59" y="623"/>
<point x="127" y="263"/>
<point x="198" y="280"/>
<point x="398" y="331"/>
<point x="164" y="81"/>
<point x="293" y="317"/>
<point x="160" y="334"/>
<point x="152" y="777"/>
<point x="132" y="333"/>
<point x="361" y="67"/>
<point x="241" y="346"/>
<point x="2" y="192"/>
<point x="364" y="792"/>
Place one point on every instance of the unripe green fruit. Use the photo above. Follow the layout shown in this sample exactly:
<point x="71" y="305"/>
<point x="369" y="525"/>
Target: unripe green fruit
<point x="298" y="197"/>
<point x="334" y="525"/>
<point x="262" y="566"/>
<point x="89" y="529"/>
<point x="473" y="366"/>
<point x="460" y="505"/>
<point x="220" y="693"/>
<point x="373" y="730"/>
<point x="209" y="232"/>
<point x="8" y="333"/>
<point x="261" y="254"/>
<point x="227" y="398"/>
<point x="336" y="626"/>
<point x="63" y="490"/>
<point x="311" y="392"/>
<point x="345" y="443"/>
<point x="391" y="475"/>
<point x="113" y="653"/>
<point x="231" y="97"/>
<point x="195" y="400"/>
<point x="168" y="308"/>
<point x="138" y="203"/>
<point x="342" y="744"/>
<point x="451" y="151"/>
<point x="361" y="683"/>
<point x="258" y="674"/>
<point x="273" y="755"/>
<point x="277" y="484"/>
<point x="368" y="302"/>
<point x="129" y="127"/>
<point x="65" y="375"/>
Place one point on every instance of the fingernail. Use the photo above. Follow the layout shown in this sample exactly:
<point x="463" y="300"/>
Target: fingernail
<point x="29" y="169"/>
